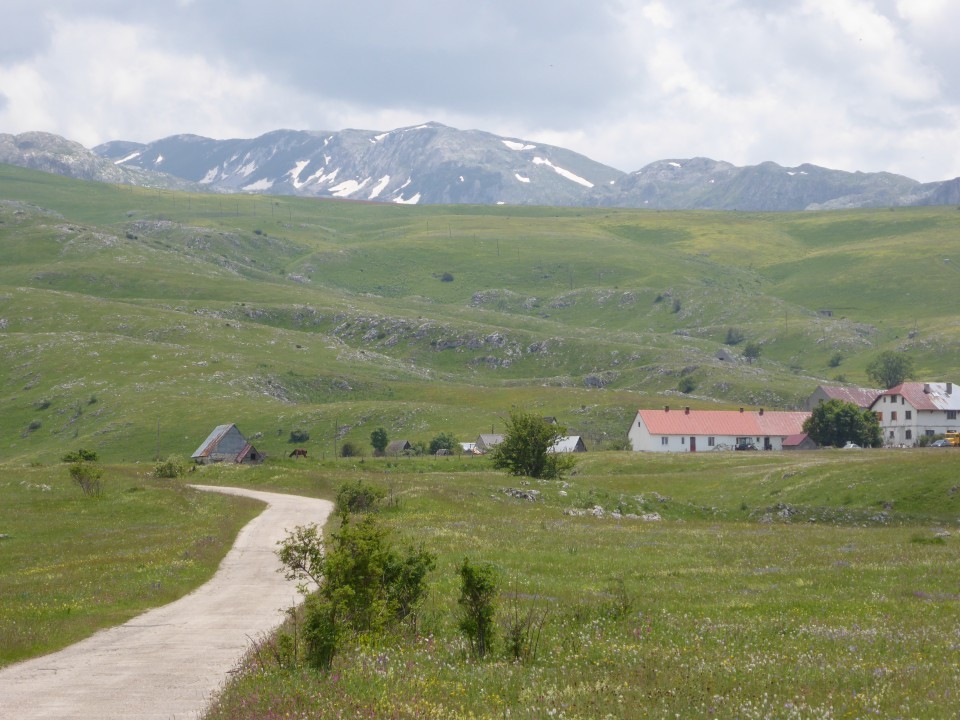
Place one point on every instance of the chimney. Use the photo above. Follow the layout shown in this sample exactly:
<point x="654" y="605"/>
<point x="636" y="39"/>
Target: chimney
<point x="949" y="388"/>
<point x="686" y="410"/>
<point x="741" y="409"/>
<point x="761" y="411"/>
<point x="666" y="408"/>
<point x="926" y="388"/>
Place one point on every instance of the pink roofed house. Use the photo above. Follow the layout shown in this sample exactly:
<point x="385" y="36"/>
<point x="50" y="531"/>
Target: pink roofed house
<point x="686" y="430"/>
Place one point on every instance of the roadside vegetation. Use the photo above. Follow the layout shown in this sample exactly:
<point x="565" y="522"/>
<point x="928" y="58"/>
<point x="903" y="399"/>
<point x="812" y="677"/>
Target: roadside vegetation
<point x="88" y="549"/>
<point x="772" y="585"/>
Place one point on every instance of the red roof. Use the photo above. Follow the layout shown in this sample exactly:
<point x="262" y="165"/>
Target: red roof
<point x="794" y="440"/>
<point x="723" y="422"/>
<point x="927" y="396"/>
<point x="862" y="397"/>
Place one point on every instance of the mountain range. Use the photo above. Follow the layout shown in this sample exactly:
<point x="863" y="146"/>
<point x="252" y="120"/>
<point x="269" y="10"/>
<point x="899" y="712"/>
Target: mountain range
<point x="436" y="164"/>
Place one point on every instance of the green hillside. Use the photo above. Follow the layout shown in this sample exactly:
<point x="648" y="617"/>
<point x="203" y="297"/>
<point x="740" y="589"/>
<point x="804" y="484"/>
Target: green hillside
<point x="135" y="320"/>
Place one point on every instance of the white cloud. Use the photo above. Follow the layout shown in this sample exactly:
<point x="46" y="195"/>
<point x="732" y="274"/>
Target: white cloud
<point x="851" y="84"/>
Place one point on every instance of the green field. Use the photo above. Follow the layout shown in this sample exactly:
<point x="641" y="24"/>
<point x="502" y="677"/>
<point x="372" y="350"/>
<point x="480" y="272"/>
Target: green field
<point x="132" y="321"/>
<point x="822" y="584"/>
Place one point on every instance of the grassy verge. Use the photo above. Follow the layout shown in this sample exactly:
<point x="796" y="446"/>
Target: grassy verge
<point x="72" y="564"/>
<point x="789" y="586"/>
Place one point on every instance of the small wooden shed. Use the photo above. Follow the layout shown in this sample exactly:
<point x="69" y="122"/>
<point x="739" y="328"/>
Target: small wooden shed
<point x="227" y="444"/>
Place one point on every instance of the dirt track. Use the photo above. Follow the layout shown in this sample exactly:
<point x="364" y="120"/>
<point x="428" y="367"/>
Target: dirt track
<point x="167" y="663"/>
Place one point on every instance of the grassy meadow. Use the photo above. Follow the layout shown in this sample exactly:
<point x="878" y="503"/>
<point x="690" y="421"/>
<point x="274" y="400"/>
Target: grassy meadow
<point x="71" y="564"/>
<point x="809" y="585"/>
<point x="132" y="320"/>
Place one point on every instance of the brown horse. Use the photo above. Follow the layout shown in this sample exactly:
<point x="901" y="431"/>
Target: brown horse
<point x="299" y="452"/>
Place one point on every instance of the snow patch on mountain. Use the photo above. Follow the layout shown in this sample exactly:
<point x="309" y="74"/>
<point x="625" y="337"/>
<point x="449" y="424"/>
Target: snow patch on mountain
<point x="348" y="188"/>
<point x="259" y="185"/>
<point x="295" y="173"/>
<point x="247" y="169"/>
<point x="379" y="187"/>
<point x="411" y="201"/>
<point x="128" y="158"/>
<point x="521" y="178"/>
<point x="514" y="145"/>
<point x="210" y="176"/>
<point x="158" y="160"/>
<point x="563" y="173"/>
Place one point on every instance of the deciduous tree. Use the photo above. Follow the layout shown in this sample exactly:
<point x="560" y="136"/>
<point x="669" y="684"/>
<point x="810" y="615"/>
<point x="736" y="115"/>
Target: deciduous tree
<point x="837" y="422"/>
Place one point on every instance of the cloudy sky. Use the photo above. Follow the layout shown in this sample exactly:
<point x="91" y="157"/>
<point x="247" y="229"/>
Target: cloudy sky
<point x="849" y="84"/>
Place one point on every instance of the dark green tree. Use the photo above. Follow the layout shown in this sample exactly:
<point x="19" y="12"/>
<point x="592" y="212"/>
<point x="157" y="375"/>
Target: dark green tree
<point x="443" y="441"/>
<point x="837" y="422"/>
<point x="379" y="440"/>
<point x="890" y="368"/>
<point x="524" y="450"/>
<point x="751" y="351"/>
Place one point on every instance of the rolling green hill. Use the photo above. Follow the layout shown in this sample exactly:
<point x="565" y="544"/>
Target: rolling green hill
<point x="132" y="321"/>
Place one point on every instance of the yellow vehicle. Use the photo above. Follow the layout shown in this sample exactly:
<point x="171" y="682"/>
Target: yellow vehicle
<point x="953" y="438"/>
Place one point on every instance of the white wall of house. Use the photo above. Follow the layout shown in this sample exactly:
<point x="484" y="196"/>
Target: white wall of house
<point x="641" y="440"/>
<point x="902" y="424"/>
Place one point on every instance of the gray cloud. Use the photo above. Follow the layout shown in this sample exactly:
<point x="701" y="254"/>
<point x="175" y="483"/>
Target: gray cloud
<point x="853" y="84"/>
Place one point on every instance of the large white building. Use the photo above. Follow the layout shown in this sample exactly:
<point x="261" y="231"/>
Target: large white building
<point x="913" y="409"/>
<point x="686" y="430"/>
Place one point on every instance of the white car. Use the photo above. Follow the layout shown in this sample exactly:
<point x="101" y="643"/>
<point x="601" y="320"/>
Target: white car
<point x="851" y="446"/>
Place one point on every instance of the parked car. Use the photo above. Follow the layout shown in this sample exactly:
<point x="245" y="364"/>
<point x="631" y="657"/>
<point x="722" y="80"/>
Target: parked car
<point x="941" y="443"/>
<point x="746" y="446"/>
<point x="851" y="446"/>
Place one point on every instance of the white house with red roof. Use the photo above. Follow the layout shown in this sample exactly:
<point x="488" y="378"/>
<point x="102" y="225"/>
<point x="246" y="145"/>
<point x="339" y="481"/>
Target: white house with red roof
<point x="686" y="430"/>
<point x="913" y="409"/>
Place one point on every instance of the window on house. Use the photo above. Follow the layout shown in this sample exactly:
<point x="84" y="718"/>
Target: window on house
<point x="909" y="414"/>
<point x="891" y="434"/>
<point x="909" y="435"/>
<point x="951" y="414"/>
<point x="929" y="433"/>
<point x="710" y="441"/>
<point x="683" y="440"/>
<point x="893" y="416"/>
<point x="664" y="440"/>
<point x="879" y="417"/>
<point x="893" y="398"/>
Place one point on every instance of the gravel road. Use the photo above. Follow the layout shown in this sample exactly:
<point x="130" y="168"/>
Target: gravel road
<point x="169" y="662"/>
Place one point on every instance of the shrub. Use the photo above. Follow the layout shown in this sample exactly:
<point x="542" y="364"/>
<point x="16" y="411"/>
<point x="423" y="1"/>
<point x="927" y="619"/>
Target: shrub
<point x="735" y="336"/>
<point x="522" y="628"/>
<point x="348" y="449"/>
<point x="299" y="436"/>
<point x="88" y="478"/>
<point x="358" y="497"/>
<point x="80" y="455"/>
<point x="446" y="277"/>
<point x="526" y="441"/>
<point x="687" y="385"/>
<point x="172" y="467"/>
<point x="443" y="441"/>
<point x="478" y="594"/>
<point x="34" y="425"/>
<point x="42" y="404"/>
<point x="367" y="583"/>
<point x="321" y="632"/>
<point x="677" y="307"/>
<point x="836" y="359"/>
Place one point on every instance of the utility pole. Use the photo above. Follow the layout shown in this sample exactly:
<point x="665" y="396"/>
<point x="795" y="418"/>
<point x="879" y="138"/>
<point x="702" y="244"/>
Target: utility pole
<point x="158" y="439"/>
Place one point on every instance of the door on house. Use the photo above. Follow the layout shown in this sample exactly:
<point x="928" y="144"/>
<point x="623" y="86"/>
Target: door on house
<point x="693" y="444"/>
<point x="767" y="445"/>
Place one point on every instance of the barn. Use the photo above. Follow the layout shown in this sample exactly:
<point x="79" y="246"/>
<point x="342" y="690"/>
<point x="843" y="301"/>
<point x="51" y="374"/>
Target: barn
<point x="227" y="444"/>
